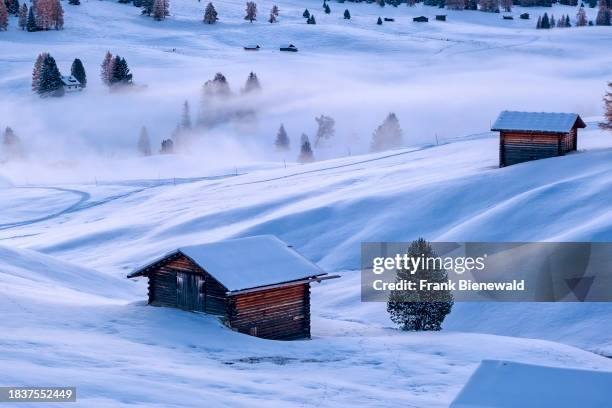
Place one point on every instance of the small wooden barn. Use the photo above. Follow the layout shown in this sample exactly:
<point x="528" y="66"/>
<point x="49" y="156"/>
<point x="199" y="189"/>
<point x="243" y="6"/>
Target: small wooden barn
<point x="420" y="19"/>
<point x="289" y="47"/>
<point x="71" y="84"/>
<point x="525" y="136"/>
<point x="256" y="285"/>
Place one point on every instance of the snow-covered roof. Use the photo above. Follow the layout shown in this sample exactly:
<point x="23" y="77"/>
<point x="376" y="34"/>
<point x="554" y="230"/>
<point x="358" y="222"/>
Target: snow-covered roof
<point x="70" y="80"/>
<point x="537" y="121"/>
<point x="246" y="263"/>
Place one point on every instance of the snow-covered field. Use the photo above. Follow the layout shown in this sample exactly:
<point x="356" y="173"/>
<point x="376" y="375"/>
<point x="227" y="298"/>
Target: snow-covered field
<point x="82" y="211"/>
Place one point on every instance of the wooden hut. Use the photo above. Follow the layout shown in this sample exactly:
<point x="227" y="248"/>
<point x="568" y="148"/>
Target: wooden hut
<point x="257" y="285"/>
<point x="420" y="19"/>
<point x="528" y="136"/>
<point x="289" y="47"/>
<point x="441" y="17"/>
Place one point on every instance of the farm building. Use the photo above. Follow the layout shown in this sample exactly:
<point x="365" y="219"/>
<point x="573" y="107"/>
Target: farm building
<point x="252" y="47"/>
<point x="290" y="48"/>
<point x="525" y="136"/>
<point x="71" y="83"/>
<point x="420" y="19"/>
<point x="257" y="285"/>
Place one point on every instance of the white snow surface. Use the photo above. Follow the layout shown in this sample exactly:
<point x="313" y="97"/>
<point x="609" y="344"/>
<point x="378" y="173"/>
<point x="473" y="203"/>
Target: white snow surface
<point x="250" y="262"/>
<point x="81" y="211"/>
<point x="504" y="384"/>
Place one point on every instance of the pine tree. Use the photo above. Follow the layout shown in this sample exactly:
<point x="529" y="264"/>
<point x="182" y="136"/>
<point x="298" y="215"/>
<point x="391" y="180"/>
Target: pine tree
<point x="210" y="14"/>
<point x="273" y="15"/>
<point x="4" y="20"/>
<point x="120" y="74"/>
<point x="327" y="9"/>
<point x="251" y="11"/>
<point x="218" y="86"/>
<point x="23" y="16"/>
<point x="471" y="5"/>
<point x="107" y="68"/>
<point x="160" y="10"/>
<point x="539" y="23"/>
<point x="326" y="129"/>
<point x="50" y="83"/>
<point x="420" y="309"/>
<point x="553" y="22"/>
<point x="379" y="21"/>
<point x="11" y="144"/>
<point x="186" y="117"/>
<point x="306" y="14"/>
<point x="13" y="7"/>
<point x="252" y="83"/>
<point x="77" y="70"/>
<point x="506" y="5"/>
<point x="607" y="124"/>
<point x="603" y="15"/>
<point x="455" y="4"/>
<point x="567" y="22"/>
<point x="347" y="14"/>
<point x="581" y="17"/>
<point x="147" y="7"/>
<point x="144" y="144"/>
<point x="37" y="69"/>
<point x="388" y="135"/>
<point x="545" y="21"/>
<point x="282" y="140"/>
<point x="306" y="155"/>
<point x="31" y="24"/>
<point x="167" y="146"/>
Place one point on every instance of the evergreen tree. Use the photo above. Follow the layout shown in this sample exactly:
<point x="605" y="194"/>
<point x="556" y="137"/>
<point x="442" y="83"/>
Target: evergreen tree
<point x="4" y="20"/>
<point x="273" y="15"/>
<point x="539" y="23"/>
<point x="490" y="6"/>
<point x="12" y="7"/>
<point x="306" y="14"/>
<point x="455" y="4"/>
<point x="107" y="68"/>
<point x="144" y="144"/>
<point x="306" y="155"/>
<point x="325" y="130"/>
<point x="36" y="71"/>
<point x="74" y="2"/>
<point x="77" y="70"/>
<point x="11" y="144"/>
<point x="282" y="140"/>
<point x="553" y="23"/>
<point x="379" y="21"/>
<point x="581" y="17"/>
<point x="251" y="11"/>
<point x="567" y="22"/>
<point x="218" y="86"/>
<point x="210" y="14"/>
<point x="31" y="24"/>
<point x="603" y="15"/>
<point x="347" y="14"/>
<point x="388" y="135"/>
<point x="311" y="20"/>
<point x="23" y="16"/>
<point x="186" y="117"/>
<point x="327" y="9"/>
<point x="471" y="5"/>
<point x="57" y="16"/>
<point x="50" y="82"/>
<point x="607" y="124"/>
<point x="147" y="7"/>
<point x="252" y="83"/>
<point x="506" y="5"/>
<point x="545" y="22"/>
<point x="167" y="146"/>
<point x="160" y="9"/>
<point x="120" y="74"/>
<point x="420" y="309"/>
<point x="592" y="3"/>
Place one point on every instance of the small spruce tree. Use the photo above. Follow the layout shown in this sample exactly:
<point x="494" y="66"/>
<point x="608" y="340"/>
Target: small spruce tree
<point x="167" y="146"/>
<point x="144" y="144"/>
<point x="77" y="70"/>
<point x="282" y="140"/>
<point x="379" y="21"/>
<point x="607" y="99"/>
<point x="306" y="155"/>
<point x="31" y="24"/>
<point x="23" y="16"/>
<point x="252" y="83"/>
<point x="327" y="9"/>
<point x="420" y="309"/>
<point x="347" y="14"/>
<point x="388" y="135"/>
<point x="50" y="82"/>
<point x="306" y="14"/>
<point x="581" y="17"/>
<point x="210" y="14"/>
<point x="120" y="74"/>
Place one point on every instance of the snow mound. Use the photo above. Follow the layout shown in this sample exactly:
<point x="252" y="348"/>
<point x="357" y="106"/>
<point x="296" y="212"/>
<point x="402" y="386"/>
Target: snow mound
<point x="502" y="384"/>
<point x="29" y="274"/>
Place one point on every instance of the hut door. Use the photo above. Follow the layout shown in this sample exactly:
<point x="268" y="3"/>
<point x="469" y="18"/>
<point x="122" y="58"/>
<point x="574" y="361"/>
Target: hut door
<point x="189" y="295"/>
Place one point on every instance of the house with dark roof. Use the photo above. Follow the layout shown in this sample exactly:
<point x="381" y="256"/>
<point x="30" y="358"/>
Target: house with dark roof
<point x="71" y="83"/>
<point x="257" y="285"/>
<point x="525" y="136"/>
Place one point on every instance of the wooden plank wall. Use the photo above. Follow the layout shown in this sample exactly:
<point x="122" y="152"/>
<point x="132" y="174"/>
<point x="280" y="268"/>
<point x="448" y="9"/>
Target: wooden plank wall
<point x="279" y="313"/>
<point x="162" y="288"/>
<point x="520" y="147"/>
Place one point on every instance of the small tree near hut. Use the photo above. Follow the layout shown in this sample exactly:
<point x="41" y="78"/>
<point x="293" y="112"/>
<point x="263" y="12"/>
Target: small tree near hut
<point x="251" y="11"/>
<point x="607" y="123"/>
<point x="419" y="310"/>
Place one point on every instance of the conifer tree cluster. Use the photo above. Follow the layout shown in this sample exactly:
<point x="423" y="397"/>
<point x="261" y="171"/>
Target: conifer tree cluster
<point x="251" y="11"/>
<point x="12" y="7"/>
<point x="210" y="14"/>
<point x="252" y="83"/>
<point x="421" y="309"/>
<point x="604" y="15"/>
<point x="167" y="146"/>
<point x="306" y="155"/>
<point x="114" y="71"/>
<point x="388" y="135"/>
<point x="491" y="6"/>
<point x="311" y="20"/>
<point x="46" y="77"/>
<point x="4" y="19"/>
<point x="217" y="104"/>
<point x="45" y="15"/>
